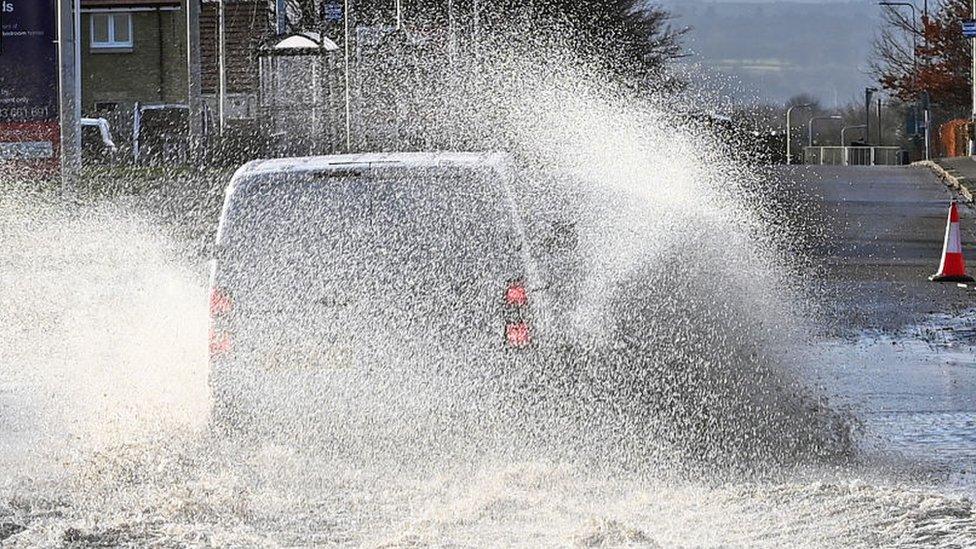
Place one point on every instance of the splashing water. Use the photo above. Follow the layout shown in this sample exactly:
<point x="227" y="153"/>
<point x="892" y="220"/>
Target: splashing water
<point x="107" y="329"/>
<point x="105" y="398"/>
<point x="679" y="262"/>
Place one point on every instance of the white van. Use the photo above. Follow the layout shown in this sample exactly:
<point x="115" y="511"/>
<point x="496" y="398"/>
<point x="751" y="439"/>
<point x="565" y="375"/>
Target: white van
<point x="352" y="265"/>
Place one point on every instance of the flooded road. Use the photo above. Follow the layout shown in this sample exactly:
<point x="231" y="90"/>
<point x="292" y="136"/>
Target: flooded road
<point x="905" y="359"/>
<point x="104" y="403"/>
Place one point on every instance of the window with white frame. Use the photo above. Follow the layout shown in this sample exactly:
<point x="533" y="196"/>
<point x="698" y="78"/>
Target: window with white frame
<point x="111" y="30"/>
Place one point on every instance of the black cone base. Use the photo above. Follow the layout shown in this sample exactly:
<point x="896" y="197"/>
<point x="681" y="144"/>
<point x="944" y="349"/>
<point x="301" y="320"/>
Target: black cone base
<point x="962" y="279"/>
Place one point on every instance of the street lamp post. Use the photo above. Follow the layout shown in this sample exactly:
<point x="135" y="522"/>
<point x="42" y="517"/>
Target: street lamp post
<point x="910" y="6"/>
<point x="476" y="19"/>
<point x="193" y="80"/>
<point x="221" y="67"/>
<point x="928" y="122"/>
<point x="814" y="119"/>
<point x="880" y="125"/>
<point x="345" y="46"/>
<point x="69" y="36"/>
<point x="868" y="93"/>
<point x="789" y="126"/>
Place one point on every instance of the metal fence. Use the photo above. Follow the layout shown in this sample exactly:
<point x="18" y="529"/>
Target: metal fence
<point x="854" y="156"/>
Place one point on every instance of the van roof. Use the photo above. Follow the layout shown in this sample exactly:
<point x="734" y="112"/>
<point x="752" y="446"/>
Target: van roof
<point x="371" y="160"/>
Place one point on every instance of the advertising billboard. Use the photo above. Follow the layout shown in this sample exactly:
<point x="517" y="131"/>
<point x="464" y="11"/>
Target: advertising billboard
<point x="28" y="79"/>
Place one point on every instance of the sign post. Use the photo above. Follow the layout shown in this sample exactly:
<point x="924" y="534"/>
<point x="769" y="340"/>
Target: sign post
<point x="29" y="129"/>
<point x="969" y="31"/>
<point x="70" y="96"/>
<point x="193" y="80"/>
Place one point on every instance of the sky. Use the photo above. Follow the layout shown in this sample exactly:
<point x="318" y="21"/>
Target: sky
<point x="770" y="50"/>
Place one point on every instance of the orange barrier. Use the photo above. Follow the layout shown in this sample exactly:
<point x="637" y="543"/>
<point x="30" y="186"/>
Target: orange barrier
<point x="954" y="138"/>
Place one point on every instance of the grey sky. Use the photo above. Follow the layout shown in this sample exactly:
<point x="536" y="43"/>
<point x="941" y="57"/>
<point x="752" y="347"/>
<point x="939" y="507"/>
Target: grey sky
<point x="773" y="49"/>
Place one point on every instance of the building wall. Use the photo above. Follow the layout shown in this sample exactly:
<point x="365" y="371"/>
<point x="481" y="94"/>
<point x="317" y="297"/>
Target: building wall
<point x="246" y="26"/>
<point x="152" y="71"/>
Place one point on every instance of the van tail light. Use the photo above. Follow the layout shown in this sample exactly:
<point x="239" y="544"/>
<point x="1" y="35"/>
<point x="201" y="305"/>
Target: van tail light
<point x="220" y="303"/>
<point x="219" y="343"/>
<point x="516" y="294"/>
<point x="518" y="333"/>
<point x="220" y="306"/>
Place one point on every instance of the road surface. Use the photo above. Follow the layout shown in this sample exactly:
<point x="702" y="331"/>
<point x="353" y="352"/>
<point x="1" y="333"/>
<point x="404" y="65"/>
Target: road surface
<point x="882" y="237"/>
<point x="906" y="361"/>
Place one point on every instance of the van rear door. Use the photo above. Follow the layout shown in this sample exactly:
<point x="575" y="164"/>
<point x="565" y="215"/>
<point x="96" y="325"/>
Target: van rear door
<point x="371" y="260"/>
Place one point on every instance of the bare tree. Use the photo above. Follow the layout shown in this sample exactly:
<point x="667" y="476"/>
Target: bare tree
<point x="807" y="99"/>
<point x="629" y="36"/>
<point x="894" y="61"/>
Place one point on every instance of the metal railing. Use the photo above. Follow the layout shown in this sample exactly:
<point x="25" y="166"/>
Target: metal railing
<point x="853" y="156"/>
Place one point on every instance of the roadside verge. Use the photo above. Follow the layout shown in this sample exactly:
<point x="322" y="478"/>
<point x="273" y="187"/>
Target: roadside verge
<point x="957" y="173"/>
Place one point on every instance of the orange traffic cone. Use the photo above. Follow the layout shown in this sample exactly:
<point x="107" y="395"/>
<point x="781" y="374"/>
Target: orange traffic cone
<point x="953" y="266"/>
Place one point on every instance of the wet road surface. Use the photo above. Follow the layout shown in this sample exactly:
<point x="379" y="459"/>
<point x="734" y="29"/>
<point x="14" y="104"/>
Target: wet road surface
<point x="883" y="231"/>
<point x="904" y="359"/>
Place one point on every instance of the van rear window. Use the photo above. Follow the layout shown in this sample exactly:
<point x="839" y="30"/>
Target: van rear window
<point x="433" y="235"/>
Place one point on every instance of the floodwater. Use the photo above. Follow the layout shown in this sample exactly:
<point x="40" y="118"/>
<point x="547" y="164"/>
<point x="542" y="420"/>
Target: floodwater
<point x="104" y="402"/>
<point x="104" y="437"/>
<point x="914" y="391"/>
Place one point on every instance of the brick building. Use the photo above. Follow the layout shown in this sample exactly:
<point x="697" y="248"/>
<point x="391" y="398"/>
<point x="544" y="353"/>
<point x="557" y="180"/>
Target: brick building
<point x="132" y="50"/>
<point x="246" y="27"/>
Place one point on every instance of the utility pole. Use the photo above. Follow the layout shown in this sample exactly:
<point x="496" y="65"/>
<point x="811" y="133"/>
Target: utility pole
<point x="221" y="68"/>
<point x="69" y="22"/>
<point x="193" y="79"/>
<point x="345" y="45"/>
